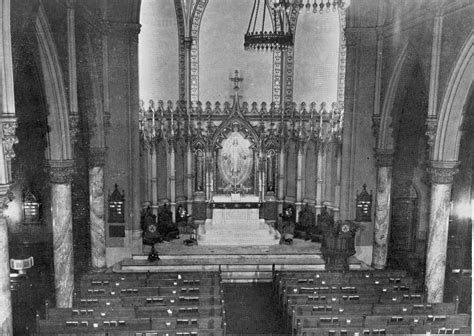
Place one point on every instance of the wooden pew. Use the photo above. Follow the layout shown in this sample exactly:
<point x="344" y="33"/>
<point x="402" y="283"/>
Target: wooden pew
<point x="150" y="291"/>
<point x="132" y="301"/>
<point x="351" y="331"/>
<point x="98" y="313"/>
<point x="124" y="282"/>
<point x="184" y="323"/>
<point x="408" y="309"/>
<point x="164" y="332"/>
<point x="90" y="325"/>
<point x="371" y="309"/>
<point x="300" y="311"/>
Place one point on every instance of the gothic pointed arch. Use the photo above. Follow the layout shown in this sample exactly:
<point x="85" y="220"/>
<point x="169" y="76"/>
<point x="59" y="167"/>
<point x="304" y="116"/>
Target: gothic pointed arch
<point x="448" y="135"/>
<point x="385" y="139"/>
<point x="59" y="142"/>
<point x="236" y="122"/>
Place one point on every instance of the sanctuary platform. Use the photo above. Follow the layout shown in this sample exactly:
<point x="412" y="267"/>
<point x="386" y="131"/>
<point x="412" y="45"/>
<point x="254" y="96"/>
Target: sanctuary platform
<point x="235" y="222"/>
<point x="236" y="263"/>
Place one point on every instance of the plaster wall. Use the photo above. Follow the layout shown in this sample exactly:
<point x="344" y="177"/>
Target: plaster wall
<point x="457" y="26"/>
<point x="221" y="52"/>
<point x="316" y="57"/>
<point x="158" y="51"/>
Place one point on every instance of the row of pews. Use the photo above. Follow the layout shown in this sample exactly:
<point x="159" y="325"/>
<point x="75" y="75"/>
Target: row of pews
<point x="141" y="304"/>
<point x="360" y="303"/>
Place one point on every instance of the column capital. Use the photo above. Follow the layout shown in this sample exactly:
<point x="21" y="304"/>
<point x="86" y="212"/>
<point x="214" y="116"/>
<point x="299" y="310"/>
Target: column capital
<point x="383" y="157"/>
<point x="442" y="172"/>
<point x="61" y="171"/>
<point x="6" y="196"/>
<point x="97" y="156"/>
<point x="74" y="126"/>
<point x="431" y="129"/>
<point x="9" y="125"/>
<point x="376" y="118"/>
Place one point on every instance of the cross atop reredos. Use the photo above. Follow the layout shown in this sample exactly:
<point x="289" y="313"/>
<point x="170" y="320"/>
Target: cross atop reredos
<point x="236" y="80"/>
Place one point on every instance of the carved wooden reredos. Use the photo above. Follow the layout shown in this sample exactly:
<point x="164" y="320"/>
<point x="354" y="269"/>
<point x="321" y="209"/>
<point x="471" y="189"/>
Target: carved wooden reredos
<point x="275" y="135"/>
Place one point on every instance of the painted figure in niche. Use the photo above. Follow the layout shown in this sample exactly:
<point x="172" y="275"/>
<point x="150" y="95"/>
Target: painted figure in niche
<point x="235" y="162"/>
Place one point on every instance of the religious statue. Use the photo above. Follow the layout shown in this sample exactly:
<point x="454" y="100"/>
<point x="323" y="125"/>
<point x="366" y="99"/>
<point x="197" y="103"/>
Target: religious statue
<point x="165" y="223"/>
<point x="288" y="224"/>
<point x="306" y="225"/>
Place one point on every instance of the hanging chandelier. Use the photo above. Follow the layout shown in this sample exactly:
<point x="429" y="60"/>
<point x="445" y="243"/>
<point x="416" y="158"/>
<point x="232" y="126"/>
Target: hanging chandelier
<point x="270" y="26"/>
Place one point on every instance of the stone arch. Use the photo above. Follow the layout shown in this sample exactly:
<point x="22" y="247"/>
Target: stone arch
<point x="244" y="127"/>
<point x="448" y="135"/>
<point x="385" y="139"/>
<point x="59" y="142"/>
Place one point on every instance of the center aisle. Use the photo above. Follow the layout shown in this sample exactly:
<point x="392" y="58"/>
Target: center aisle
<point x="251" y="309"/>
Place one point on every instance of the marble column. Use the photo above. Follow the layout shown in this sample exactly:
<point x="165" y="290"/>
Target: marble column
<point x="5" y="294"/>
<point x="97" y="207"/>
<point x="382" y="208"/>
<point x="61" y="177"/>
<point x="8" y="139"/>
<point x="441" y="174"/>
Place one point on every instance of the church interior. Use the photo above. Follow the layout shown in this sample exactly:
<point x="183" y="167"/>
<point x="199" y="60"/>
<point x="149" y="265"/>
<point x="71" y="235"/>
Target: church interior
<point x="213" y="167"/>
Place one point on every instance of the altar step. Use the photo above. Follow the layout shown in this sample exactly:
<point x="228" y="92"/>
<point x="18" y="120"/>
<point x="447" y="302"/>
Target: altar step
<point x="234" y="268"/>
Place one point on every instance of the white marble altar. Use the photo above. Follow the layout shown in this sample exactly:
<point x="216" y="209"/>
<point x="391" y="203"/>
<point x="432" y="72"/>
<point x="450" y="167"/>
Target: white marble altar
<point x="235" y="222"/>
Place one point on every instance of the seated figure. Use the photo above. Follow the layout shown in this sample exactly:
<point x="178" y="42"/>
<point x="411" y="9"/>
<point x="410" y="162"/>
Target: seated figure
<point x="288" y="224"/>
<point x="165" y="223"/>
<point x="306" y="226"/>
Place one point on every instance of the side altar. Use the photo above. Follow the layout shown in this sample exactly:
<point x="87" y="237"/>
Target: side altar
<point x="235" y="221"/>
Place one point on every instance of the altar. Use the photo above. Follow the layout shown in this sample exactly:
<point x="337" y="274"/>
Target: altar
<point x="235" y="221"/>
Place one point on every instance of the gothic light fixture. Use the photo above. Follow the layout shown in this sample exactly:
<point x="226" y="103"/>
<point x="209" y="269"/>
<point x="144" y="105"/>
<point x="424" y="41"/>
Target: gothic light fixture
<point x="270" y="26"/>
<point x="271" y="30"/>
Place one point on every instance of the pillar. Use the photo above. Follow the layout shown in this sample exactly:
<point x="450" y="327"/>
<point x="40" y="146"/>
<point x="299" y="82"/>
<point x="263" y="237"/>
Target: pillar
<point x="97" y="207"/>
<point x="153" y="179"/>
<point x="319" y="180"/>
<point x="189" y="178"/>
<point x="172" y="181"/>
<point x="7" y="135"/>
<point x="337" y="199"/>
<point x="299" y="180"/>
<point x="382" y="208"/>
<point x="6" y="326"/>
<point x="281" y="178"/>
<point x="61" y="178"/>
<point x="441" y="174"/>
